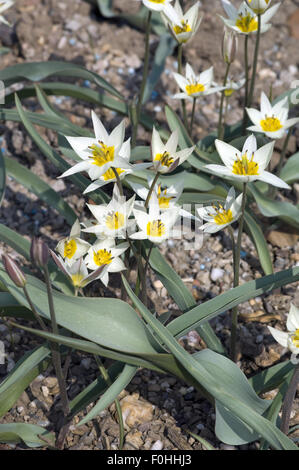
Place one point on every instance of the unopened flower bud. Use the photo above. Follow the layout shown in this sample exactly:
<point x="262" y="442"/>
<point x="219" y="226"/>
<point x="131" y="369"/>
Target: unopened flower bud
<point x="229" y="46"/>
<point x="39" y="252"/>
<point x="14" y="271"/>
<point x="258" y="6"/>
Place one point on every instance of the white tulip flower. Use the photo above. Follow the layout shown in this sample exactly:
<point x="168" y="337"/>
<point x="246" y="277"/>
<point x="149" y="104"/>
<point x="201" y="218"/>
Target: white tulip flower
<point x="259" y="6"/>
<point x="4" y="5"/>
<point x="110" y="177"/>
<point x="220" y="216"/>
<point x="194" y="85"/>
<point x="156" y="225"/>
<point x="100" y="153"/>
<point x="244" y="20"/>
<point x="167" y="197"/>
<point x="271" y="120"/>
<point x="247" y="165"/>
<point x="232" y="86"/>
<point x="72" y="248"/>
<point x="164" y="156"/>
<point x="113" y="219"/>
<point x="289" y="339"/>
<point x="106" y="253"/>
<point x="78" y="272"/>
<point x="182" y="26"/>
<point x="156" y="5"/>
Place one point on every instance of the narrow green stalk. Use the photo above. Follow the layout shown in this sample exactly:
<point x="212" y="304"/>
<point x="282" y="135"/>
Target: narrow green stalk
<point x="118" y="181"/>
<point x="180" y="69"/>
<point x="144" y="77"/>
<point x="55" y="348"/>
<point x="254" y="67"/>
<point x="284" y="151"/>
<point x="150" y="192"/>
<point x="147" y="259"/>
<point x="220" y="124"/>
<point x="288" y="401"/>
<point x="36" y="315"/>
<point x="107" y="379"/>
<point x="192" y="117"/>
<point x="237" y="250"/>
<point x="245" y="117"/>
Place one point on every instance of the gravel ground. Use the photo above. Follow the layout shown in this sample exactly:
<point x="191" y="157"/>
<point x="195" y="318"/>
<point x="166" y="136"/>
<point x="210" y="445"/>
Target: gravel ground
<point x="162" y="409"/>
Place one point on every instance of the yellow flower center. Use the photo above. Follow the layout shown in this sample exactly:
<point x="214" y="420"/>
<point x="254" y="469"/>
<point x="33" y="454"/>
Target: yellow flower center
<point x="163" y="199"/>
<point x="247" y="24"/>
<point x="223" y="217"/>
<point x="184" y="27"/>
<point x="228" y="92"/>
<point x="244" y="166"/>
<point x="77" y="279"/>
<point x="271" y="124"/>
<point x="102" y="154"/>
<point x="194" y="88"/>
<point x="110" y="175"/>
<point x="164" y="158"/>
<point x="157" y="1"/>
<point x="155" y="228"/>
<point x="295" y="338"/>
<point x="70" y="248"/>
<point x="101" y="257"/>
<point x="115" y="220"/>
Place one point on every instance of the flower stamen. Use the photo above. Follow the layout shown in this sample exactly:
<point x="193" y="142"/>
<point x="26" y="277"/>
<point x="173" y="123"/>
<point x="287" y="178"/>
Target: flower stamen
<point x="156" y="228"/>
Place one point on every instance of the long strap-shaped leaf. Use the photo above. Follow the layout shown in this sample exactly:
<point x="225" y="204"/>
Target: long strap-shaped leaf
<point x="213" y="384"/>
<point x="208" y="310"/>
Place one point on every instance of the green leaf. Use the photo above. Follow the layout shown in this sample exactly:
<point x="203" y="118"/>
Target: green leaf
<point x="9" y="307"/>
<point x="290" y="171"/>
<point x="226" y="301"/>
<point x="41" y="189"/>
<point x="165" y="48"/>
<point x="106" y="321"/>
<point x="203" y="441"/>
<point x="111" y="393"/>
<point x="271" y="377"/>
<point x="181" y="295"/>
<point x="37" y="71"/>
<point x="24" y="372"/>
<point x="259" y="240"/>
<point x="15" y="433"/>
<point x="2" y="177"/>
<point x="216" y="383"/>
<point x="92" y="392"/>
<point x="269" y="208"/>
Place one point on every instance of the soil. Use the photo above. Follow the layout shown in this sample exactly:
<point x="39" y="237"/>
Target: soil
<point x="45" y="30"/>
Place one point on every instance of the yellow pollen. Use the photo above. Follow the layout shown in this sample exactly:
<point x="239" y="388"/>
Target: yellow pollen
<point x="101" y="257"/>
<point x="247" y="24"/>
<point x="163" y="199"/>
<point x="195" y="88"/>
<point x="77" y="279"/>
<point x="244" y="166"/>
<point x="271" y="124"/>
<point x="115" y="220"/>
<point x="155" y="228"/>
<point x="101" y="154"/>
<point x="183" y="28"/>
<point x="223" y="217"/>
<point x="110" y="175"/>
<point x="295" y="338"/>
<point x="164" y="158"/>
<point x="70" y="248"/>
<point x="157" y="1"/>
<point x="229" y="92"/>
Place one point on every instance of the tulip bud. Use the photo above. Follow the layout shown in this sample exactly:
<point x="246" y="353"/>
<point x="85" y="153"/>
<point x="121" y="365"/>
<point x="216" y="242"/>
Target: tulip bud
<point x="39" y="252"/>
<point x="229" y="46"/>
<point x="258" y="6"/>
<point x="15" y="273"/>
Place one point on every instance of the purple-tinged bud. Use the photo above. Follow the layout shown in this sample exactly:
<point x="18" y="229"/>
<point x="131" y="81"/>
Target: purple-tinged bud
<point x="14" y="271"/>
<point x="39" y="252"/>
<point x="229" y="46"/>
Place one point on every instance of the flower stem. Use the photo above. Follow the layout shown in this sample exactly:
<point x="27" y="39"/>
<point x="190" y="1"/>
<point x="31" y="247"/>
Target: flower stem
<point x="118" y="181"/>
<point x="144" y="77"/>
<point x="55" y="348"/>
<point x="284" y="151"/>
<point x="288" y="401"/>
<point x="237" y="250"/>
<point x="107" y="379"/>
<point x="192" y="117"/>
<point x="220" y="124"/>
<point x="245" y="117"/>
<point x="180" y="67"/>
<point x="254" y="67"/>
<point x="150" y="192"/>
<point x="36" y="315"/>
